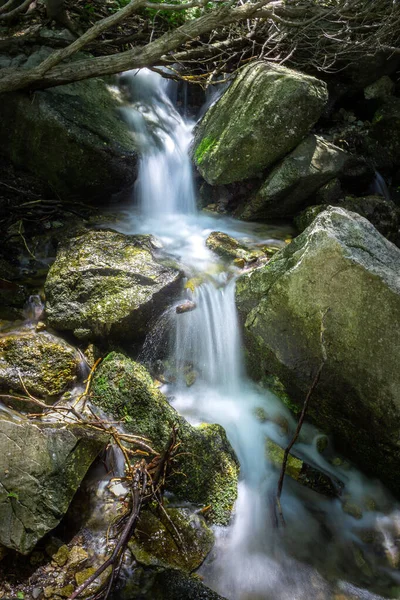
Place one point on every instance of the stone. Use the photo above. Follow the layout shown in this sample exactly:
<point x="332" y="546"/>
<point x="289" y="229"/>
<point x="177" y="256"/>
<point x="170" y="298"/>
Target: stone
<point x="46" y="364"/>
<point x="125" y="389"/>
<point x="303" y="473"/>
<point x="156" y="542"/>
<point x="41" y="467"/>
<point x="76" y="556"/>
<point x="263" y="115"/>
<point x="172" y="584"/>
<point x="97" y="585"/>
<point x="229" y="248"/>
<point x="381" y="88"/>
<point x="105" y="284"/>
<point x="285" y="191"/>
<point x="61" y="556"/>
<point x="381" y="212"/>
<point x="340" y="276"/>
<point x="72" y="138"/>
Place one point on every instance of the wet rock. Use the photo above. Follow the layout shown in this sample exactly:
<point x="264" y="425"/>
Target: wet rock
<point x="46" y="364"/>
<point x="61" y="556"/>
<point x="182" y="541"/>
<point x="312" y="164"/>
<point x="172" y="584"/>
<point x="97" y="584"/>
<point x="72" y="138"/>
<point x="262" y="116"/>
<point x="108" y="285"/>
<point x="187" y="306"/>
<point x="382" y="213"/>
<point x="343" y="271"/>
<point x="229" y="248"/>
<point x="41" y="467"/>
<point x="125" y="389"/>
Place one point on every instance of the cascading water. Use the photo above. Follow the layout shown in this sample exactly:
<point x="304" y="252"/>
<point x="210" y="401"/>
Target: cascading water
<point x="253" y="559"/>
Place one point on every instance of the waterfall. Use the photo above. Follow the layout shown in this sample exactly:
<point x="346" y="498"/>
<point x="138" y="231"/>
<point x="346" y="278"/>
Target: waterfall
<point x="165" y="184"/>
<point x="252" y="558"/>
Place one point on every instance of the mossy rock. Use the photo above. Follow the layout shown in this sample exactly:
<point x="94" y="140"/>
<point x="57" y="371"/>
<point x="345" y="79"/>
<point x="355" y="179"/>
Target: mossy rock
<point x="181" y="541"/>
<point x="45" y="364"/>
<point x="72" y="138"/>
<point x="105" y="284"/>
<point x="340" y="276"/>
<point x="206" y="468"/>
<point x="41" y="467"/>
<point x="262" y="116"/>
<point x="172" y="584"/>
<point x="294" y="180"/>
<point x="229" y="248"/>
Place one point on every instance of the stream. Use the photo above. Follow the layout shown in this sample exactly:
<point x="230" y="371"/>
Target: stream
<point x="336" y="547"/>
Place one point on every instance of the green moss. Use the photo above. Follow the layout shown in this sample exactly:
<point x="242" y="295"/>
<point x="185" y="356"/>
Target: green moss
<point x="205" y="146"/>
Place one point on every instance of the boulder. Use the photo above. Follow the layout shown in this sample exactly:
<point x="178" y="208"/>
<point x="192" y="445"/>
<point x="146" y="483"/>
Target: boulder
<point x="382" y="213"/>
<point x="42" y="363"/>
<point x="334" y="289"/>
<point x="41" y="467"/>
<point x="180" y="540"/>
<point x="172" y="584"/>
<point x="206" y="468"/>
<point x="264" y="114"/>
<point x="311" y="165"/>
<point x="71" y="137"/>
<point x="106" y="284"/>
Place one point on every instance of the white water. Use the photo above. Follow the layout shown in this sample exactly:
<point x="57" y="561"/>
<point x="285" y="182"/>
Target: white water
<point x="321" y="545"/>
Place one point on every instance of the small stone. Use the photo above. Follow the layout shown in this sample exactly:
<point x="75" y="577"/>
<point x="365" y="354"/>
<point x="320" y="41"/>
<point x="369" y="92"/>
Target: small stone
<point x="239" y="262"/>
<point x="187" y="306"/>
<point x="40" y="326"/>
<point x="61" y="556"/>
<point x="66" y="591"/>
<point x="190" y="378"/>
<point x="352" y="509"/>
<point x="36" y="592"/>
<point x="98" y="583"/>
<point x="322" y="443"/>
<point x="77" y="556"/>
<point x="48" y="592"/>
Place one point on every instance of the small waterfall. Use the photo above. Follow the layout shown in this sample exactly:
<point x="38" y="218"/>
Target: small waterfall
<point x="165" y="183"/>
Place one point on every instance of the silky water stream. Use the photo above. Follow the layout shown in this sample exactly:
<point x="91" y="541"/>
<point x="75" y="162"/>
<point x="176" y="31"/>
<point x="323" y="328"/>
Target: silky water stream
<point x="323" y="551"/>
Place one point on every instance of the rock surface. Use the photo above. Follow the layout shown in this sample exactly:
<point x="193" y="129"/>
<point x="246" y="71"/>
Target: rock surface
<point x="172" y="584"/>
<point x="46" y="364"/>
<point x="124" y="388"/>
<point x="71" y="137"/>
<point x="229" y="248"/>
<point x="41" y="467"/>
<point x="106" y="284"/>
<point x="262" y="116"/>
<point x="311" y="165"/>
<point x="340" y="276"/>
<point x="156" y="542"/>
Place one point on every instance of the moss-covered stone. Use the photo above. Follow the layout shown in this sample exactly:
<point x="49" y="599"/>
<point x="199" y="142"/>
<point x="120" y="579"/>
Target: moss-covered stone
<point x="206" y="468"/>
<point x="106" y="284"/>
<point x="262" y="116"/>
<point x="46" y="364"/>
<point x="229" y="248"/>
<point x="172" y="584"/>
<point x="181" y="541"/>
<point x="340" y="276"/>
<point x="285" y="191"/>
<point x="71" y="137"/>
<point x="41" y="467"/>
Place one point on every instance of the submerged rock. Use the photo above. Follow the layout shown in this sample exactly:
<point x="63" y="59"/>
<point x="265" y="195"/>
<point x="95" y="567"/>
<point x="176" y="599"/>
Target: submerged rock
<point x="262" y="116"/>
<point x="41" y="467"/>
<point x="181" y="541"/>
<point x="71" y="137"/>
<point x="229" y="248"/>
<point x="339" y="277"/>
<point x="206" y="468"/>
<point x="312" y="164"/>
<point x="42" y="363"/>
<point x="106" y="284"/>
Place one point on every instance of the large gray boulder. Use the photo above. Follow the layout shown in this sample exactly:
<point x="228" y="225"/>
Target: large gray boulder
<point x="106" y="284"/>
<point x="262" y="116"/>
<point x="206" y="469"/>
<point x="312" y="164"/>
<point x="71" y="137"/>
<point x="41" y="467"/>
<point x="336" y="286"/>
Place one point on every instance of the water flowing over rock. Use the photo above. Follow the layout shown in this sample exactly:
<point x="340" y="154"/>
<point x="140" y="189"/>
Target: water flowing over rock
<point x="72" y="138"/>
<point x="41" y="467"/>
<point x="311" y="165"/>
<point x="106" y="284"/>
<point x="262" y="116"/>
<point x="339" y="277"/>
<point x="124" y="388"/>
<point x="42" y="363"/>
